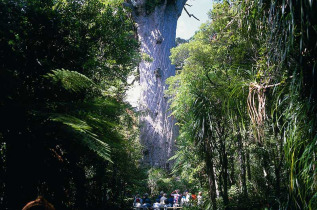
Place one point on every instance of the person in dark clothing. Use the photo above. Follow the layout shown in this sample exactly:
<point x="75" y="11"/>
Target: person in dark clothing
<point x="169" y="202"/>
<point x="160" y="195"/>
<point x="137" y="203"/>
<point x="146" y="201"/>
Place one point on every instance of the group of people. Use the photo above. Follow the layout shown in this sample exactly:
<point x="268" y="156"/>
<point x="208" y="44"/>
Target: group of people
<point x="163" y="201"/>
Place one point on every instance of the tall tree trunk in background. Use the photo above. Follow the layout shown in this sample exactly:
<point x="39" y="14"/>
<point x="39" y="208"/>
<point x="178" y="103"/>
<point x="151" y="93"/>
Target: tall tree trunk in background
<point x="210" y="173"/>
<point x="232" y="170"/>
<point x="242" y="166"/>
<point x="156" y="28"/>
<point x="267" y="171"/>
<point x="277" y="170"/>
<point x="248" y="164"/>
<point x="223" y="158"/>
<point x="225" y="179"/>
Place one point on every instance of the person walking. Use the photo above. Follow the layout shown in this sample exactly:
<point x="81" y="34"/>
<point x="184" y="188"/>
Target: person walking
<point x="177" y="197"/>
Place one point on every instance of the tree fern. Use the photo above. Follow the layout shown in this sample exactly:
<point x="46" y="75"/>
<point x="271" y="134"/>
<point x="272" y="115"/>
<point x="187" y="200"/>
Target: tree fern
<point x="71" y="80"/>
<point x="85" y="134"/>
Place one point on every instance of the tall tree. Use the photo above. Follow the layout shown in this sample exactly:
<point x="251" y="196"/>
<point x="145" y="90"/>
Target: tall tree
<point x="156" y="27"/>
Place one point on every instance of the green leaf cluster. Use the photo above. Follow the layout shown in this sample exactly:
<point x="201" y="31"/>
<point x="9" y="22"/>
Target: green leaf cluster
<point x="244" y="99"/>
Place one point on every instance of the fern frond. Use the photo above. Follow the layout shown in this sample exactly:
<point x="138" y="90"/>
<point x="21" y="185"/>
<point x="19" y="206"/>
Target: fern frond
<point x="88" y="138"/>
<point x="71" y="80"/>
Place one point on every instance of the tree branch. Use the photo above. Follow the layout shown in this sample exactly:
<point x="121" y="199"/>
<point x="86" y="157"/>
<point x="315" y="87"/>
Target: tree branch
<point x="210" y="81"/>
<point x="190" y="15"/>
<point x="274" y="85"/>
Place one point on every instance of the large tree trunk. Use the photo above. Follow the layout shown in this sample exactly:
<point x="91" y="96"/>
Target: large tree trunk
<point x="225" y="178"/>
<point x="156" y="32"/>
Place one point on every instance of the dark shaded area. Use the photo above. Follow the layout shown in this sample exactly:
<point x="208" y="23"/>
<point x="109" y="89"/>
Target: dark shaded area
<point x="57" y="126"/>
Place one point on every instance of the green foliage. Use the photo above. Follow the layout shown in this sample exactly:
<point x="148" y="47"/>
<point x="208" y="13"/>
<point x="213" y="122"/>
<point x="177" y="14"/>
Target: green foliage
<point x="150" y="5"/>
<point x="147" y="58"/>
<point x="290" y="52"/>
<point x="87" y="137"/>
<point x="71" y="80"/>
<point x="160" y="180"/>
<point x="248" y="77"/>
<point x="180" y="54"/>
<point x="65" y="132"/>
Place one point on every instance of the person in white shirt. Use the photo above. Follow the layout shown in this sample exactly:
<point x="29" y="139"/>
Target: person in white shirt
<point x="199" y="199"/>
<point x="185" y="199"/>
<point x="156" y="205"/>
<point x="177" y="197"/>
<point x="163" y="198"/>
<point x="187" y="194"/>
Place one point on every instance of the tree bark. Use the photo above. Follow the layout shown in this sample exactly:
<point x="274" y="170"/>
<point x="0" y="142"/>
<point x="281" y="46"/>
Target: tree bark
<point x="232" y="172"/>
<point x="223" y="158"/>
<point x="243" y="167"/>
<point x="211" y="174"/>
<point x="248" y="165"/>
<point x="225" y="179"/>
<point x="156" y="32"/>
